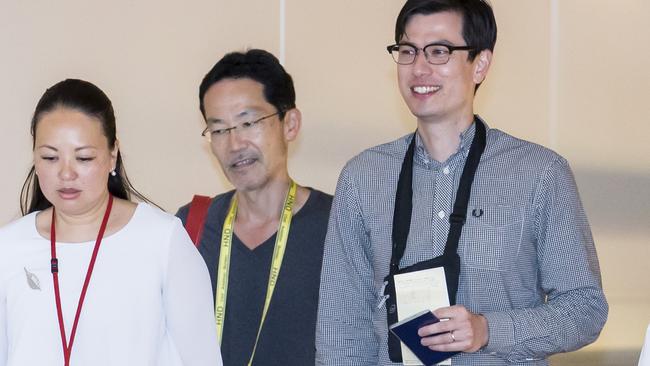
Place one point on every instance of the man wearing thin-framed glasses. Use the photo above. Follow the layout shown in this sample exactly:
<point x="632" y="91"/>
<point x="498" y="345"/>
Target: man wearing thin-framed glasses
<point x="484" y="230"/>
<point x="262" y="241"/>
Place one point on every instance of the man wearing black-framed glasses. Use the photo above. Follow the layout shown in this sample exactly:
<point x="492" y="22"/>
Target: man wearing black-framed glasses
<point x="491" y="221"/>
<point x="262" y="241"/>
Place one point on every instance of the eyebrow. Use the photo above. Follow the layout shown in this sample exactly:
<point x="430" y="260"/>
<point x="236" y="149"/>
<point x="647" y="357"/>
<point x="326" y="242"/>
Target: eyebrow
<point x="244" y="113"/>
<point x="76" y="149"/>
<point x="443" y="42"/>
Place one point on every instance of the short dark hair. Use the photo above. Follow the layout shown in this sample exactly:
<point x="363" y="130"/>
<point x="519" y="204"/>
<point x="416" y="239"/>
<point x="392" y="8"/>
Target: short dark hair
<point x="479" y="25"/>
<point x="86" y="98"/>
<point x="258" y="65"/>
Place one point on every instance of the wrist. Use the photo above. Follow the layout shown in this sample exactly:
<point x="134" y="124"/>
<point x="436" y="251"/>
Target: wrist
<point x="481" y="333"/>
<point x="484" y="332"/>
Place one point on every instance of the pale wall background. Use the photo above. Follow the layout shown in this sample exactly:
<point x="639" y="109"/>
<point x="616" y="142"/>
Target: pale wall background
<point x="572" y="75"/>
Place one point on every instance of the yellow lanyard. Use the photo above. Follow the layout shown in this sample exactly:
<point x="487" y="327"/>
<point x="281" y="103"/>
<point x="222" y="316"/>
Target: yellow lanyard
<point x="276" y="263"/>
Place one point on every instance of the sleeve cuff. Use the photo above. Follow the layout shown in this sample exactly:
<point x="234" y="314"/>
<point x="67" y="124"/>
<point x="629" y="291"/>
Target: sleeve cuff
<point x="501" y="333"/>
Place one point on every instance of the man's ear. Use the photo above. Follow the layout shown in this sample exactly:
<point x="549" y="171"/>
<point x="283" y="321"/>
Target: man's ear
<point x="291" y="124"/>
<point x="482" y="64"/>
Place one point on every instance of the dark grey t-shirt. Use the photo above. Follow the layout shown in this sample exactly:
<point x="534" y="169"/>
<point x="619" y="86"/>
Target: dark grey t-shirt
<point x="288" y="334"/>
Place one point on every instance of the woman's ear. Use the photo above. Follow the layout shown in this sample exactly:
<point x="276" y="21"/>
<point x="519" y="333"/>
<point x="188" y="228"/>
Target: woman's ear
<point x="114" y="152"/>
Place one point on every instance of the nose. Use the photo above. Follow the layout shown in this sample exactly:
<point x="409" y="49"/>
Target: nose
<point x="236" y="140"/>
<point x="67" y="171"/>
<point x="421" y="66"/>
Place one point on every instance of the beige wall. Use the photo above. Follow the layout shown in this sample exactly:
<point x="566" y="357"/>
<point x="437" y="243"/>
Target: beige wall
<point x="569" y="74"/>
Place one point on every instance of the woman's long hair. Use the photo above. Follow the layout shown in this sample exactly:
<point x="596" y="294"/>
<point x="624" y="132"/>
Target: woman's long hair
<point x="87" y="98"/>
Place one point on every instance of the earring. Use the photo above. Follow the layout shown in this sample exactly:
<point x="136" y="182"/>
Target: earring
<point x="113" y="173"/>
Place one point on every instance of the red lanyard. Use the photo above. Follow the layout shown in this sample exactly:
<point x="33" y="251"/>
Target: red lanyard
<point x="67" y="349"/>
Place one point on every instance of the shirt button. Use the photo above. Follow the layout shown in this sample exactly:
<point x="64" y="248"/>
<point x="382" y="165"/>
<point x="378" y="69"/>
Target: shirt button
<point x="446" y="170"/>
<point x="441" y="214"/>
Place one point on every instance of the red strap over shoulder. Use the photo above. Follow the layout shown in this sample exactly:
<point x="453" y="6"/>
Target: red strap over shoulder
<point x="196" y="217"/>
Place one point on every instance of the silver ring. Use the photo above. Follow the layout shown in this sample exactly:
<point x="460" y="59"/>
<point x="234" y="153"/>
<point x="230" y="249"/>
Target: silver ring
<point x="453" y="338"/>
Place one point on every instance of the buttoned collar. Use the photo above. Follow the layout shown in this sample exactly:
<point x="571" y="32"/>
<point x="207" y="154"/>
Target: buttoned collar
<point x="422" y="156"/>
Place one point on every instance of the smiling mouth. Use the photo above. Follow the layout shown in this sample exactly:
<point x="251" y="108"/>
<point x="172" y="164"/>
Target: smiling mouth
<point x="242" y="163"/>
<point x="425" y="89"/>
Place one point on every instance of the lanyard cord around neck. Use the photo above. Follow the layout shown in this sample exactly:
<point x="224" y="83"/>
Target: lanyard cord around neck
<point x="67" y="349"/>
<point x="276" y="263"/>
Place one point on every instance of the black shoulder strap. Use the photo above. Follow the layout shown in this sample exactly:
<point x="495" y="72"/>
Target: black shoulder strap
<point x="459" y="214"/>
<point x="404" y="198"/>
<point x="403" y="208"/>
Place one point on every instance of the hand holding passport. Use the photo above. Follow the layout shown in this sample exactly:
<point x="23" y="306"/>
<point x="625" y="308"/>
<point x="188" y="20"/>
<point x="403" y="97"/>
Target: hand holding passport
<point x="407" y="331"/>
<point x="416" y="293"/>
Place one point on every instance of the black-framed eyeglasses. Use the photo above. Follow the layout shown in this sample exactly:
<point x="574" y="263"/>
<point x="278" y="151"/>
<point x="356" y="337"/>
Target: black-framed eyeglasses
<point x="434" y="53"/>
<point x="247" y="128"/>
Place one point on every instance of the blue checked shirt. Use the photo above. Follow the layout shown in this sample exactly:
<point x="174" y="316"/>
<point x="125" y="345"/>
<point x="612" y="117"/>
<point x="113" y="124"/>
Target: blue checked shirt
<point x="528" y="261"/>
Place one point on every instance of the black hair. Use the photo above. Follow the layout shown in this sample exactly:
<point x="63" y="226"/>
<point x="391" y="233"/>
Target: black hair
<point x="479" y="25"/>
<point x="87" y="98"/>
<point x="258" y="65"/>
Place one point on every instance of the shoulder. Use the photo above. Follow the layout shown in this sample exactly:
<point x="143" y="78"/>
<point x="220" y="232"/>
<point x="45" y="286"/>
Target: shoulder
<point x="148" y="216"/>
<point x="317" y="207"/>
<point x="393" y="150"/>
<point x="518" y="153"/>
<point x="377" y="159"/>
<point x="321" y="200"/>
<point x="310" y="222"/>
<point x="155" y="230"/>
<point x="216" y="203"/>
<point x="18" y="237"/>
<point x="19" y="228"/>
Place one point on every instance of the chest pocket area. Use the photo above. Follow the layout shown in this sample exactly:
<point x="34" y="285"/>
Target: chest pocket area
<point x="491" y="236"/>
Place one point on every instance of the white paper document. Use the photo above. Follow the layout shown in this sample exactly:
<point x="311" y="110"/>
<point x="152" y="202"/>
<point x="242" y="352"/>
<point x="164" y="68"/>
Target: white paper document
<point x="417" y="291"/>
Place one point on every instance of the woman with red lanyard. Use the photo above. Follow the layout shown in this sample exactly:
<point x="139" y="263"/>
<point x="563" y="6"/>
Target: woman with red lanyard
<point x="88" y="277"/>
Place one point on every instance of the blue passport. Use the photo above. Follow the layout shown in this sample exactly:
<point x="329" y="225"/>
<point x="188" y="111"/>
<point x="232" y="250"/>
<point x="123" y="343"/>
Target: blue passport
<point x="407" y="331"/>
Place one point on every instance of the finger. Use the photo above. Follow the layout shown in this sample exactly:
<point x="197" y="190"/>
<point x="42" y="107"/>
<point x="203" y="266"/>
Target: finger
<point x="450" y="347"/>
<point x="446" y="342"/>
<point x="439" y="339"/>
<point x="440" y="327"/>
<point x="463" y="334"/>
<point x="451" y="312"/>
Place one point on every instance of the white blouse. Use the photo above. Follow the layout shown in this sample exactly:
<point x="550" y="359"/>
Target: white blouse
<point x="149" y="301"/>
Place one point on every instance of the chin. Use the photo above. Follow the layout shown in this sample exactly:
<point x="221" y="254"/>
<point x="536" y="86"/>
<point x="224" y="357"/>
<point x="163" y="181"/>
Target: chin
<point x="422" y="110"/>
<point x="427" y="115"/>
<point x="69" y="208"/>
<point x="248" y="184"/>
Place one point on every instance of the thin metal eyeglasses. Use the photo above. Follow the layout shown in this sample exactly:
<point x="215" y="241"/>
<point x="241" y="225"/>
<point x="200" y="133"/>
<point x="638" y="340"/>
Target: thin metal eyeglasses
<point x="434" y="53"/>
<point x="244" y="127"/>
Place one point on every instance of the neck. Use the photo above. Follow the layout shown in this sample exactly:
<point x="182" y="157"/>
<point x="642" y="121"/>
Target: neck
<point x="80" y="227"/>
<point x="259" y="211"/>
<point x="442" y="138"/>
<point x="263" y="204"/>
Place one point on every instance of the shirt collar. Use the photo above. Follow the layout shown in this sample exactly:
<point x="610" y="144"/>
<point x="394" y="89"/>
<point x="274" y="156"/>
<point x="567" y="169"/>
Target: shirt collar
<point x="466" y="137"/>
